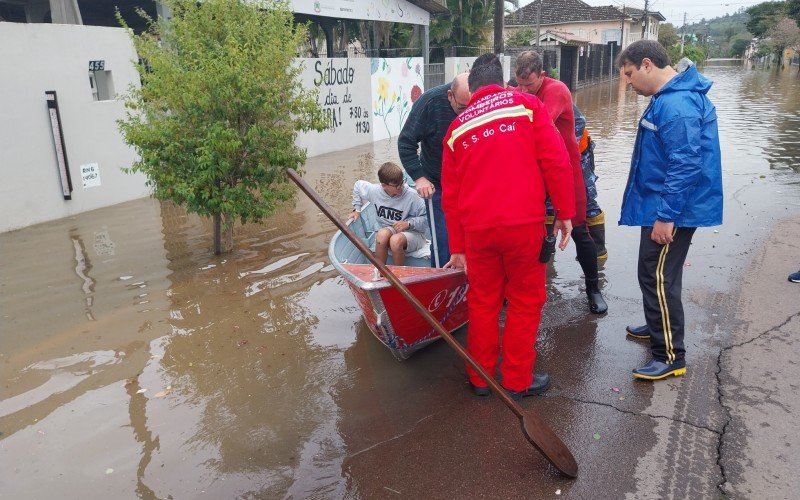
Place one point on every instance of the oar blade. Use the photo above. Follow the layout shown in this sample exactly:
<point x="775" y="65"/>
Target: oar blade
<point x="549" y="445"/>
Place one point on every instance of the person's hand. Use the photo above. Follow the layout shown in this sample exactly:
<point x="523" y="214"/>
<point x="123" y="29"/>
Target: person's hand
<point x="565" y="227"/>
<point x="424" y="187"/>
<point x="662" y="232"/>
<point x="401" y="225"/>
<point x="457" y="261"/>
<point x="354" y="215"/>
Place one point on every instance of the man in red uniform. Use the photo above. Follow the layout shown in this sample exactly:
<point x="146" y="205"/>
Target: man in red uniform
<point x="501" y="156"/>
<point x="558" y="101"/>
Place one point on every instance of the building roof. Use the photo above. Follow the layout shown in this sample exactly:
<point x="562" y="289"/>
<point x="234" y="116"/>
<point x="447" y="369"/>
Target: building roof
<point x="563" y="37"/>
<point x="571" y="11"/>
<point x="638" y="13"/>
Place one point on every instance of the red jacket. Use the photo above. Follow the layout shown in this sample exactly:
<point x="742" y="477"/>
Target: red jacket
<point x="556" y="97"/>
<point x="499" y="155"/>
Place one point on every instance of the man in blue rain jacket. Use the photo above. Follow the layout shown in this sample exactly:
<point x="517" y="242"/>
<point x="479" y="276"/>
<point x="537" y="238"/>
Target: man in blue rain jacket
<point x="674" y="187"/>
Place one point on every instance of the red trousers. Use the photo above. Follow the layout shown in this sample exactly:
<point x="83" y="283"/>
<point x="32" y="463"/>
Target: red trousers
<point x="503" y="262"/>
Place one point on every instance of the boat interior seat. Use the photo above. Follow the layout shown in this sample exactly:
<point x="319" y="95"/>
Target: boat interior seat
<point x="366" y="228"/>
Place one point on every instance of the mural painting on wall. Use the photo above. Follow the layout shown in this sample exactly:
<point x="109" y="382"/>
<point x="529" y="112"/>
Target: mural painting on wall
<point x="344" y="95"/>
<point x="396" y="85"/>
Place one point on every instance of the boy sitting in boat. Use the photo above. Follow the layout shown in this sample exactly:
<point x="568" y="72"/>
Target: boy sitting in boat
<point x="401" y="213"/>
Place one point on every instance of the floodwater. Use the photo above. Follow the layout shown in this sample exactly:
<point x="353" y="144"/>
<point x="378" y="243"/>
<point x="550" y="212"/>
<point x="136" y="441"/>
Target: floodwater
<point x="137" y="364"/>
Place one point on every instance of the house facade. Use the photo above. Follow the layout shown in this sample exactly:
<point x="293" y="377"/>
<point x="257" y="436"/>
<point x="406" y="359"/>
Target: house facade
<point x="579" y="20"/>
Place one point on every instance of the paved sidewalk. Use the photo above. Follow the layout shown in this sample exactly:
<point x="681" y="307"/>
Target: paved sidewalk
<point x="760" y="375"/>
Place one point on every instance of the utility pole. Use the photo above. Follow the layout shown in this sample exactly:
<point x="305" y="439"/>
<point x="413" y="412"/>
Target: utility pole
<point x="538" y="21"/>
<point x="622" y="43"/>
<point x="644" y="18"/>
<point x="683" y="32"/>
<point x="498" y="26"/>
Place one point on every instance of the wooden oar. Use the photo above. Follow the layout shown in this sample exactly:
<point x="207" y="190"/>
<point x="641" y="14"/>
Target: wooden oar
<point x="539" y="434"/>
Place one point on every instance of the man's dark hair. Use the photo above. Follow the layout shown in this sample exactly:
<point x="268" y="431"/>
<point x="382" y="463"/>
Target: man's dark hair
<point x="641" y="49"/>
<point x="528" y="62"/>
<point x="488" y="74"/>
<point x="488" y="58"/>
<point x="390" y="173"/>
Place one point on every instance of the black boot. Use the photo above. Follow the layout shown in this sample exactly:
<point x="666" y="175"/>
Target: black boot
<point x="597" y="304"/>
<point x="597" y="229"/>
<point x="587" y="257"/>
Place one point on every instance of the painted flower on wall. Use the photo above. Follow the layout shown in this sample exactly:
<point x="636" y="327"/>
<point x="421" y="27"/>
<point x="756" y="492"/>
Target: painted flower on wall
<point x="415" y="93"/>
<point x="395" y="92"/>
<point x="383" y="88"/>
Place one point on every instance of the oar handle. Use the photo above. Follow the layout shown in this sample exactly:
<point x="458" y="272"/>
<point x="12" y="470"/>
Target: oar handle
<point x="390" y="276"/>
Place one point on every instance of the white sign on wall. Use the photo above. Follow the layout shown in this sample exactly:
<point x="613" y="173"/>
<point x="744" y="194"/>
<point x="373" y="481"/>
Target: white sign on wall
<point x="399" y="11"/>
<point x="345" y="97"/>
<point x="90" y="174"/>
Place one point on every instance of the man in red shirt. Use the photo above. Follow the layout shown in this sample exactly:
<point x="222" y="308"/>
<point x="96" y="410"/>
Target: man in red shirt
<point x="500" y="157"/>
<point x="558" y="101"/>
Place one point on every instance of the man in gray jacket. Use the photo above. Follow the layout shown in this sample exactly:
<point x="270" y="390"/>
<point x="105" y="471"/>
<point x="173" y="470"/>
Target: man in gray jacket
<point x="400" y="210"/>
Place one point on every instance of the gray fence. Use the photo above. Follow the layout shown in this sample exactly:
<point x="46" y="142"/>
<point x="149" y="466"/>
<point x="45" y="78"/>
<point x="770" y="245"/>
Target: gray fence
<point x="434" y="75"/>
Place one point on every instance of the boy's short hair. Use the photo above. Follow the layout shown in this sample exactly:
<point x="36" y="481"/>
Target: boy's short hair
<point x="488" y="58"/>
<point x="488" y="74"/>
<point x="640" y="49"/>
<point x="528" y="62"/>
<point x="390" y="173"/>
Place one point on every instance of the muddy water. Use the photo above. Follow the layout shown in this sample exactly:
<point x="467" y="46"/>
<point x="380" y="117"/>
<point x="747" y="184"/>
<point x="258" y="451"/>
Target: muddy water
<point x="137" y="364"/>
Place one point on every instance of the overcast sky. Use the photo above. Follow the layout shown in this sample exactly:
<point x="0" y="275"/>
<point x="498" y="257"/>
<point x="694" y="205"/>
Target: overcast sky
<point x="673" y="9"/>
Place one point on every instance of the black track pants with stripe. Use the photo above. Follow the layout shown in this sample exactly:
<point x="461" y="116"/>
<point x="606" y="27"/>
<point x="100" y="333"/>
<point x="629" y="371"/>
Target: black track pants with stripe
<point x="660" y="279"/>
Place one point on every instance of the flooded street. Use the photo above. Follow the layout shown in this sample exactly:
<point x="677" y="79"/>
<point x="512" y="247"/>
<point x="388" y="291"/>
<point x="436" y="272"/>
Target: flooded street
<point x="135" y="363"/>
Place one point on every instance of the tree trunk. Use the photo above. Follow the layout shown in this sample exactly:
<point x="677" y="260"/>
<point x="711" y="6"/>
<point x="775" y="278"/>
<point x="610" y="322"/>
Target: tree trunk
<point x="223" y="233"/>
<point x="217" y="234"/>
<point x="228" y="227"/>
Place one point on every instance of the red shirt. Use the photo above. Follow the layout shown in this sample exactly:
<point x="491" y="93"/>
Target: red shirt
<point x="557" y="99"/>
<point x="498" y="156"/>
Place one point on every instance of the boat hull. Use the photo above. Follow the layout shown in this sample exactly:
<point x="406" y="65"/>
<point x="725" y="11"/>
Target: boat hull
<point x="393" y="319"/>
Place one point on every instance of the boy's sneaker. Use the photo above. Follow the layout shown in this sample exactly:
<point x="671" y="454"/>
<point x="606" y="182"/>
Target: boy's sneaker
<point x="795" y="277"/>
<point x="656" y="370"/>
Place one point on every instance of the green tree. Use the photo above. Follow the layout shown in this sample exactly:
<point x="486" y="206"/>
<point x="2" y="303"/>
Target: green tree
<point x="667" y="35"/>
<point x="793" y="10"/>
<point x="215" y="120"/>
<point x="784" y="35"/>
<point x="738" y="47"/>
<point x="468" y="24"/>
<point x="521" y="38"/>
<point x="695" y="53"/>
<point x="764" y="16"/>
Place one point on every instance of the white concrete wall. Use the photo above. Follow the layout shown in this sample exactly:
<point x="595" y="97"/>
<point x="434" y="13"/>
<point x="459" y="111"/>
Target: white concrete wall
<point x="366" y="100"/>
<point x="456" y="65"/>
<point x="345" y="96"/>
<point x="35" y="58"/>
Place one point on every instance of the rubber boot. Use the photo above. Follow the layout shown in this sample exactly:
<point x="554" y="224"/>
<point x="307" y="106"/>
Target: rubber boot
<point x="597" y="304"/>
<point x="597" y="229"/>
<point x="587" y="257"/>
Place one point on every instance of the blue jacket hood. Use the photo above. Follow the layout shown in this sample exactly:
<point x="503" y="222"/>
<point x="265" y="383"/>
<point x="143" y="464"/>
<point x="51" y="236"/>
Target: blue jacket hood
<point x="689" y="79"/>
